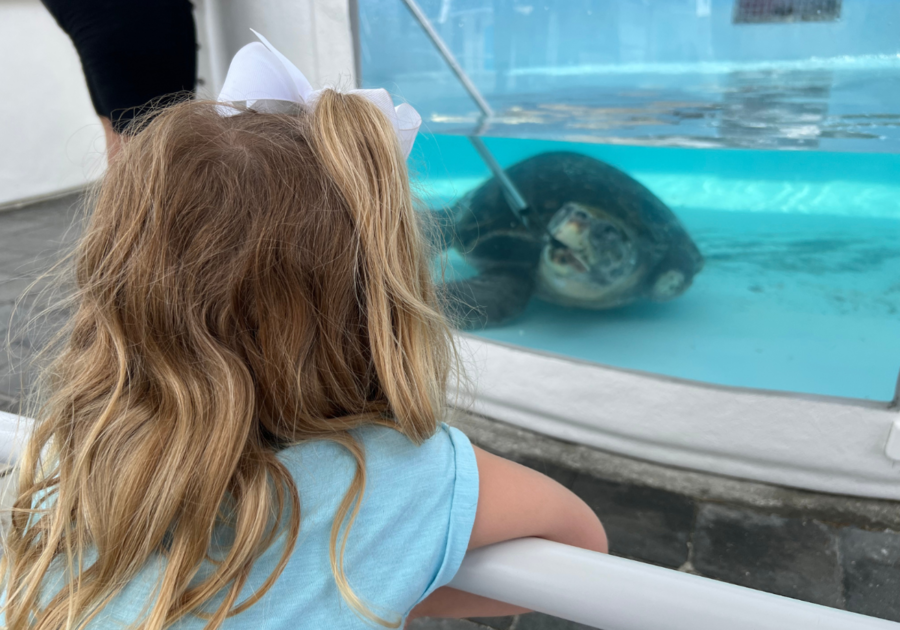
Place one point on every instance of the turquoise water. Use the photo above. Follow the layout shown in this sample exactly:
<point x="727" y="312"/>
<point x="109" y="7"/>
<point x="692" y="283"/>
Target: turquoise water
<point x="674" y="73"/>
<point x="801" y="287"/>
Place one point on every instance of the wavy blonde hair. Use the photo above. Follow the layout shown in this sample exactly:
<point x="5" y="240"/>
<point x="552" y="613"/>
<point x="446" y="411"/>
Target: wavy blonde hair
<point x="242" y="283"/>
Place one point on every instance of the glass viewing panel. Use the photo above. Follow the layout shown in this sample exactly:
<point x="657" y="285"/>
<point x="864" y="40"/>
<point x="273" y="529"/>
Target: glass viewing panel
<point x="765" y="133"/>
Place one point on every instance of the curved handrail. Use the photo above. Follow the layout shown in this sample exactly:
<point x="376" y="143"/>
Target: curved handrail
<point x="618" y="594"/>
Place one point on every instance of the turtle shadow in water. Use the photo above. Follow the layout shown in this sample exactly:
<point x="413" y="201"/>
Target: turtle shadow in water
<point x="812" y="256"/>
<point x="597" y="239"/>
<point x="580" y="321"/>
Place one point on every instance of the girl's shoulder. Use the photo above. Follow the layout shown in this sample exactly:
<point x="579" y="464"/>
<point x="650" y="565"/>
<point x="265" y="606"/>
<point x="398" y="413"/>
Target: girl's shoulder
<point x="391" y="459"/>
<point x="414" y="522"/>
<point x="410" y="535"/>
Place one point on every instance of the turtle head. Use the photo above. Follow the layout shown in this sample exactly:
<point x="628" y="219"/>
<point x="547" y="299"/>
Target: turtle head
<point x="589" y="245"/>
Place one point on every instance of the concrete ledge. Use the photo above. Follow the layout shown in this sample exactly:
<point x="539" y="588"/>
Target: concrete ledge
<point x="522" y="445"/>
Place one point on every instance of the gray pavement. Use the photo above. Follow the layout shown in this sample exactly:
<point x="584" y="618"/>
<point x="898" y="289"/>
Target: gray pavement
<point x="32" y="240"/>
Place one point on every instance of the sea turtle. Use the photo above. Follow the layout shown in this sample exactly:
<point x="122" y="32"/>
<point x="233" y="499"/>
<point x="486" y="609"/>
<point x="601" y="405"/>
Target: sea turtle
<point x="595" y="239"/>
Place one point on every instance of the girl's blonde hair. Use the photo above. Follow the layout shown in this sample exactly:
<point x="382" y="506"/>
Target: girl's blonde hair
<point x="243" y="283"/>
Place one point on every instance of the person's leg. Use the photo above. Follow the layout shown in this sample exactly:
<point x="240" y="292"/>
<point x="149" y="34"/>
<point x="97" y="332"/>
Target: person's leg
<point x="113" y="140"/>
<point x="135" y="54"/>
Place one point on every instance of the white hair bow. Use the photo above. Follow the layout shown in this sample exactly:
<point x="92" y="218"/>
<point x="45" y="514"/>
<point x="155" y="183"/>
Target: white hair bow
<point x="264" y="79"/>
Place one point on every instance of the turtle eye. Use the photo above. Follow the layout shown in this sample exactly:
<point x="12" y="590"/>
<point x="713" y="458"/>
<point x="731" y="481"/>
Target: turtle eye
<point x="605" y="235"/>
<point x="582" y="218"/>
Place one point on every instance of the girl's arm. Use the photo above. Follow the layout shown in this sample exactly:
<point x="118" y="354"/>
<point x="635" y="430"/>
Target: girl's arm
<point x="515" y="502"/>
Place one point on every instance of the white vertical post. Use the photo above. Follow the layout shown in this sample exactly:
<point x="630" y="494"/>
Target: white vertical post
<point x="314" y="34"/>
<point x="212" y="60"/>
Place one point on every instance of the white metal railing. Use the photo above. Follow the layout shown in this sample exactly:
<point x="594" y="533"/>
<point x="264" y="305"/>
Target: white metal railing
<point x="618" y="594"/>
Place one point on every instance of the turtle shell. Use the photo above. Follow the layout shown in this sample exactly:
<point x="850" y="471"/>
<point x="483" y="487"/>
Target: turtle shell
<point x="549" y="181"/>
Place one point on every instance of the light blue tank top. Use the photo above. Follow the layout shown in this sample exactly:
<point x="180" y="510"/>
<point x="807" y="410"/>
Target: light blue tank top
<point x="409" y="538"/>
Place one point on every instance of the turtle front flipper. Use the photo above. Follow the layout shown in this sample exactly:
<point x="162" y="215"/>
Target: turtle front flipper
<point x="439" y="228"/>
<point x="507" y="265"/>
<point x="491" y="298"/>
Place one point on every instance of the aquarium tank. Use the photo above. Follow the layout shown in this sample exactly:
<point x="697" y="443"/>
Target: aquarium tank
<point x="713" y="185"/>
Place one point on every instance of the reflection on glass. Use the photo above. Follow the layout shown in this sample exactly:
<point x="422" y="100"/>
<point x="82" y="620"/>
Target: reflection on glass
<point x="712" y="197"/>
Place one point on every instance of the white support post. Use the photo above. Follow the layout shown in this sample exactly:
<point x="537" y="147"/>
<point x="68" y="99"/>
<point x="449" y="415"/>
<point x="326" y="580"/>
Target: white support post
<point x="314" y="34"/>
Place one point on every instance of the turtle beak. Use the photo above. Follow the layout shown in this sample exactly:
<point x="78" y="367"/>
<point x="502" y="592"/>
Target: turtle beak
<point x="573" y="231"/>
<point x="568" y="255"/>
<point x="579" y="257"/>
<point x="569" y="236"/>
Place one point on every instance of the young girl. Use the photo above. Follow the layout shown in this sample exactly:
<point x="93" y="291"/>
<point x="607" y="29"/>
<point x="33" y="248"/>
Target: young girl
<point x="243" y="429"/>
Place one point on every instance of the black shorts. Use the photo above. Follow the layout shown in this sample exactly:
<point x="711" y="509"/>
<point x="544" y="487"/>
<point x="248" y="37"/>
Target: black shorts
<point x="133" y="52"/>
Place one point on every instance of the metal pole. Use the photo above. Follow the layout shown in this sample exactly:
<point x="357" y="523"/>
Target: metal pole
<point x="513" y="197"/>
<point x="353" y="6"/>
<point x="423" y="21"/>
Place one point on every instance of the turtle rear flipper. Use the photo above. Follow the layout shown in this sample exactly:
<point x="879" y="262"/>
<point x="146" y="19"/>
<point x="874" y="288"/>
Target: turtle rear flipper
<point x="506" y="280"/>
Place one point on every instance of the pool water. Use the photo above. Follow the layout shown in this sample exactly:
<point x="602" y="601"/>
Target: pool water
<point x="801" y="287"/>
